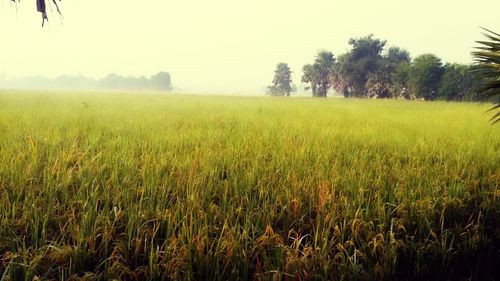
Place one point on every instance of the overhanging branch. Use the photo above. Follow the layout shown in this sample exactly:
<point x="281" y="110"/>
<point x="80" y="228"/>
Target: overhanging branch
<point x="41" y="7"/>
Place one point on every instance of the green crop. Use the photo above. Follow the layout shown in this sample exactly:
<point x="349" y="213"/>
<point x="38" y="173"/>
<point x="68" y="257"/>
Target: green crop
<point x="101" y="186"/>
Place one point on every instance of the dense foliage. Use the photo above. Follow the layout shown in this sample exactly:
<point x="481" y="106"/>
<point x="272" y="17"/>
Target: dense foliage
<point x="318" y="74"/>
<point x="371" y="70"/>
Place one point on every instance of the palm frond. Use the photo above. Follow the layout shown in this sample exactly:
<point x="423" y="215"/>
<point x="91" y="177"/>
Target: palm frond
<point x="487" y="69"/>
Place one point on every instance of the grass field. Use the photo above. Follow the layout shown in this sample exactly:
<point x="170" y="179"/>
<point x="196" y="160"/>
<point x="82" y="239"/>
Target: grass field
<point x="100" y="186"/>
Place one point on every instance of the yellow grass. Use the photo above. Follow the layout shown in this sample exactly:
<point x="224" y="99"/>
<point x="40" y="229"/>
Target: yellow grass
<point x="157" y="186"/>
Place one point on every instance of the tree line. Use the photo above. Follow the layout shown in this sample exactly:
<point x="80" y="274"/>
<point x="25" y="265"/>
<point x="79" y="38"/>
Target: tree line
<point x="371" y="70"/>
<point x="159" y="82"/>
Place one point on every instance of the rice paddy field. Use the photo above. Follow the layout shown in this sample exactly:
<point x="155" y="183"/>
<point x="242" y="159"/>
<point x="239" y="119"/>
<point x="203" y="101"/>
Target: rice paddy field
<point x="143" y="186"/>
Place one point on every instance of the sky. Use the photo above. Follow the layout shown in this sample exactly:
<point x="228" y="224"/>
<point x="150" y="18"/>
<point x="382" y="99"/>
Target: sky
<point x="226" y="46"/>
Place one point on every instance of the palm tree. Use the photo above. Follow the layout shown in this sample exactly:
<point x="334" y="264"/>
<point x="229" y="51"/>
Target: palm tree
<point x="487" y="69"/>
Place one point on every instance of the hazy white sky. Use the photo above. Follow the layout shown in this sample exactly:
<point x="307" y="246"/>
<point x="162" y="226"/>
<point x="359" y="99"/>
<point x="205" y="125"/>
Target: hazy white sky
<point x="226" y="45"/>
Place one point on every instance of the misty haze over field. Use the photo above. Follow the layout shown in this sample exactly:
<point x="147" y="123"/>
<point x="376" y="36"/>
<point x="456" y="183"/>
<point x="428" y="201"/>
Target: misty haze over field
<point x="157" y="82"/>
<point x="225" y="45"/>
